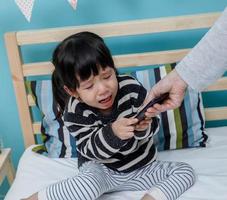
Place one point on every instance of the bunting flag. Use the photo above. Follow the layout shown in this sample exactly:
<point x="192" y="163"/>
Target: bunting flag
<point x="73" y="3"/>
<point x="26" y="7"/>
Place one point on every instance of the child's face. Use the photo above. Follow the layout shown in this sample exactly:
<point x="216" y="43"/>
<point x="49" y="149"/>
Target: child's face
<point x="99" y="91"/>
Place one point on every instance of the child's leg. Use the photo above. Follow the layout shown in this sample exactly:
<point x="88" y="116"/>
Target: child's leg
<point x="163" y="180"/>
<point x="176" y="179"/>
<point x="170" y="181"/>
<point x="91" y="182"/>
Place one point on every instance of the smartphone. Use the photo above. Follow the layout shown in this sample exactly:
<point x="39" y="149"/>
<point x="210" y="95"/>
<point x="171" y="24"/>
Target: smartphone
<point x="141" y="114"/>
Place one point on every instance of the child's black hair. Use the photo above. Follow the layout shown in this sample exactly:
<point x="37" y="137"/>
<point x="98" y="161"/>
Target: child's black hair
<point x="80" y="55"/>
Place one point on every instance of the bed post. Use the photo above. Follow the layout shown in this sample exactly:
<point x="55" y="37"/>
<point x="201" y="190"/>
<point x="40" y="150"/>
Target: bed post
<point x="15" y="63"/>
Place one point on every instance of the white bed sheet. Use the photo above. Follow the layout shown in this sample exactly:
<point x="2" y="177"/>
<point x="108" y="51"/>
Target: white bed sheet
<point x="36" y="171"/>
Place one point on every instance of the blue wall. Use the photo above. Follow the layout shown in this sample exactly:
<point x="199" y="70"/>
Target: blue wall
<point x="48" y="14"/>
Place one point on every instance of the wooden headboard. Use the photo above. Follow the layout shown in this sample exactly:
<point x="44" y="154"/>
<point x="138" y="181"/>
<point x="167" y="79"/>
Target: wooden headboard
<point x="15" y="40"/>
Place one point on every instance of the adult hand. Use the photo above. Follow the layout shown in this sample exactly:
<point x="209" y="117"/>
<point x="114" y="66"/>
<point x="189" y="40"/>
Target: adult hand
<point x="174" y="85"/>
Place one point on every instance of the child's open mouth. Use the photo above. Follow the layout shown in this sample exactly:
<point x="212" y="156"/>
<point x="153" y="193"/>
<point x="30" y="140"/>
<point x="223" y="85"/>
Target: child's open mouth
<point x="106" y="100"/>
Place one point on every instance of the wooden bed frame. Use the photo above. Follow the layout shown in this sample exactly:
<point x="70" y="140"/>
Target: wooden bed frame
<point x="15" y="40"/>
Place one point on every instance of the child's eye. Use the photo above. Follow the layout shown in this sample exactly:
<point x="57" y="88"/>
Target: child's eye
<point x="107" y="76"/>
<point x="89" y="87"/>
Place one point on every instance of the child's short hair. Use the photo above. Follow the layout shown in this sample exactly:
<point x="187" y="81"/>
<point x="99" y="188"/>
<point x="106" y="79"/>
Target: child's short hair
<point x="79" y="55"/>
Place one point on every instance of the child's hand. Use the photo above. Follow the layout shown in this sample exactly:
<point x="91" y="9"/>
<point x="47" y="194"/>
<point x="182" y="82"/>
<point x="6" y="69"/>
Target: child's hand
<point x="144" y="124"/>
<point x="124" y="127"/>
<point x="33" y="197"/>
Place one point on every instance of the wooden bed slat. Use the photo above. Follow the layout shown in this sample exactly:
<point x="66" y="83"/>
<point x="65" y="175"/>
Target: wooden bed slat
<point x="139" y="59"/>
<point x="151" y="58"/>
<point x="37" y="69"/>
<point x="221" y="84"/>
<point x="217" y="113"/>
<point x="133" y="27"/>
<point x="19" y="87"/>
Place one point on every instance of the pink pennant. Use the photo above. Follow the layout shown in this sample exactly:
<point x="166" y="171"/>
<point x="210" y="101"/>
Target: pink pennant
<point x="73" y="3"/>
<point x="26" y="7"/>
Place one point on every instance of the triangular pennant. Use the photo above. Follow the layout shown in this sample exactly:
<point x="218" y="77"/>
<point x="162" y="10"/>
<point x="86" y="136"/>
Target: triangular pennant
<point x="26" y="7"/>
<point x="73" y="3"/>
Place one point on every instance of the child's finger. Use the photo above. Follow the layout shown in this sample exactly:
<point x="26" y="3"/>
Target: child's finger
<point x="143" y="123"/>
<point x="141" y="127"/>
<point x="149" y="115"/>
<point x="132" y="121"/>
<point x="129" y="134"/>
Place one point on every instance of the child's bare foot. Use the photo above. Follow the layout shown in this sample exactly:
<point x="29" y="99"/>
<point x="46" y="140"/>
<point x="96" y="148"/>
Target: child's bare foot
<point x="33" y="197"/>
<point x="147" y="197"/>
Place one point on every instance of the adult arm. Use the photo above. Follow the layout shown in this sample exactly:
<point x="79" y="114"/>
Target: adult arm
<point x="207" y="61"/>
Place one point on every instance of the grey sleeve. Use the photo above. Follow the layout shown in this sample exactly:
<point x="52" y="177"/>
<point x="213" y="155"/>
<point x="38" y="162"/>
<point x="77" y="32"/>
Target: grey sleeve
<point x="207" y="61"/>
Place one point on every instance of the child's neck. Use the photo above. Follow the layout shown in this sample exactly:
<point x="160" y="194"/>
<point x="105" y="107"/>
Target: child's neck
<point x="107" y="111"/>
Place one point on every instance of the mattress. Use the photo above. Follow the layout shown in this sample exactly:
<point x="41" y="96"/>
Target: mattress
<point x="35" y="171"/>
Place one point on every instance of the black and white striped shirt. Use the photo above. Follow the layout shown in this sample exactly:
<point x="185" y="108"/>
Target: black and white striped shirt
<point x="95" y="138"/>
